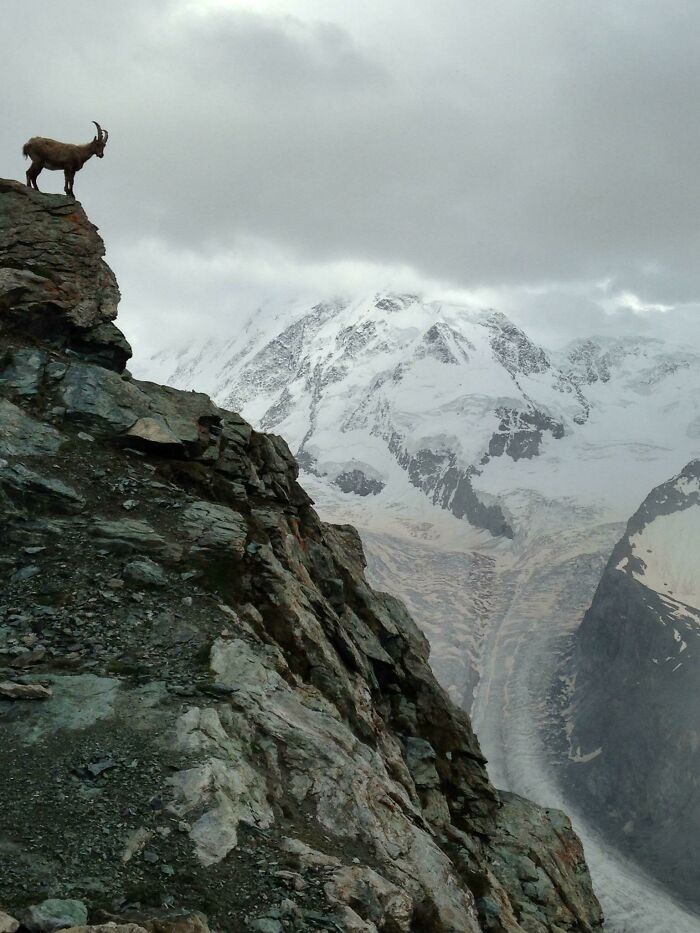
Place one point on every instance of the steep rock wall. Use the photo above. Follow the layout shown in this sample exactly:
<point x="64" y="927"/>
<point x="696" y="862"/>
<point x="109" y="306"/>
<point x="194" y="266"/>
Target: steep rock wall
<point x="204" y="705"/>
<point x="634" y="756"/>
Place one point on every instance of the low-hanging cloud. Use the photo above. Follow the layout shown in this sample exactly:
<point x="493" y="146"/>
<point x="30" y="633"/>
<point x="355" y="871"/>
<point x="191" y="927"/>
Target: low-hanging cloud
<point x="486" y="146"/>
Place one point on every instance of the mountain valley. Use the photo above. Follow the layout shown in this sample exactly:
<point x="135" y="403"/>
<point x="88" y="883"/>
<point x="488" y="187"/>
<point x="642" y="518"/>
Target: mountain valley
<point x="490" y="479"/>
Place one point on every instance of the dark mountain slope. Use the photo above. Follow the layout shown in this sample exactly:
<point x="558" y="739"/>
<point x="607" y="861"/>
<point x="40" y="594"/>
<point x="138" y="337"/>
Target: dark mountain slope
<point x="635" y="757"/>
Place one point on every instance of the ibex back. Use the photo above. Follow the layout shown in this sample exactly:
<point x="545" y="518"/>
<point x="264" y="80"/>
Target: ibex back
<point x="66" y="157"/>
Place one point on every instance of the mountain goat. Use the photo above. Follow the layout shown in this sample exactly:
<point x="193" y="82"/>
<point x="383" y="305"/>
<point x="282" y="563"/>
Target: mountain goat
<point x="68" y="157"/>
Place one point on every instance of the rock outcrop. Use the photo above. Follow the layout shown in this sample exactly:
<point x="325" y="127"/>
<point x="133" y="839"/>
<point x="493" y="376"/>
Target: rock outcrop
<point x="206" y="709"/>
<point x="634" y="757"/>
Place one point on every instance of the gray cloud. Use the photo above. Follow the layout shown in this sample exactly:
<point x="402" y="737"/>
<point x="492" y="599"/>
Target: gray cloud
<point x="500" y="145"/>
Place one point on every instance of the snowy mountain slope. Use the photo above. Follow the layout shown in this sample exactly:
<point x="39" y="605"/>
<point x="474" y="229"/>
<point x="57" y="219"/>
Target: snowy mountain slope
<point x="490" y="478"/>
<point x="407" y="415"/>
<point x="634" y="756"/>
<point x="459" y="400"/>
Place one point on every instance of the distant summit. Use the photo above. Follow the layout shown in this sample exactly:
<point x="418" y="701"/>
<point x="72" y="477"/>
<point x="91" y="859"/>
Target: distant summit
<point x="389" y="393"/>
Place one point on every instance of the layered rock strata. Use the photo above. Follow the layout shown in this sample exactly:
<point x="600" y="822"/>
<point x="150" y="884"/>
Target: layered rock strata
<point x="207" y="710"/>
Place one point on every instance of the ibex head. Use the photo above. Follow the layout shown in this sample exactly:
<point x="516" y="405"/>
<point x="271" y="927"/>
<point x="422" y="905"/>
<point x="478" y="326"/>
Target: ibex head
<point x="100" y="141"/>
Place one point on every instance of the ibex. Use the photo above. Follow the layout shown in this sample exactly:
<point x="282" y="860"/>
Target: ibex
<point x="48" y="153"/>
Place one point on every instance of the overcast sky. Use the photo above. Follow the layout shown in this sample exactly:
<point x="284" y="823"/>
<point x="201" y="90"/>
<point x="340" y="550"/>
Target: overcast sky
<point x="536" y="155"/>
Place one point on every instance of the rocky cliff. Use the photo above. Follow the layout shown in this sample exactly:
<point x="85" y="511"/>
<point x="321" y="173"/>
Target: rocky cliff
<point x="634" y="757"/>
<point x="205" y="709"/>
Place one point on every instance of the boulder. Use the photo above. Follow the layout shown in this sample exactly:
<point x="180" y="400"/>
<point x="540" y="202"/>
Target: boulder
<point x="55" y="914"/>
<point x="101" y="399"/>
<point x="21" y="435"/>
<point x="28" y="488"/>
<point x="372" y="898"/>
<point x="8" y="924"/>
<point x="145" y="572"/>
<point x="153" y="433"/>
<point x="12" y="691"/>
<point x="131" y="536"/>
<point x="22" y="370"/>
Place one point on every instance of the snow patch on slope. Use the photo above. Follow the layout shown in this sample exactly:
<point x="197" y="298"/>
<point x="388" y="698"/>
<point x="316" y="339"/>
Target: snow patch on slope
<point x="665" y="556"/>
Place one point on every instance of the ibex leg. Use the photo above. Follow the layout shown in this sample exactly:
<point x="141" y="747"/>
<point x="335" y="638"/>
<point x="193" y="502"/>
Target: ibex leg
<point x="32" y="174"/>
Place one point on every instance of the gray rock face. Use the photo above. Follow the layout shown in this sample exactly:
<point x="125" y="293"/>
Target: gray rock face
<point x="53" y="280"/>
<point x="213" y="527"/>
<point x="438" y="475"/>
<point x="38" y="493"/>
<point x="20" y="434"/>
<point x="356" y="481"/>
<point x="514" y="349"/>
<point x="131" y="536"/>
<point x="22" y="371"/>
<point x="633" y="754"/>
<point x="262" y="737"/>
<point x="520" y="433"/>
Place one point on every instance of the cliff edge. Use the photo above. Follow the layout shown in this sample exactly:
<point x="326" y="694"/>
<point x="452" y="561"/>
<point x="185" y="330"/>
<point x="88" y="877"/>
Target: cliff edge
<point x="209" y="719"/>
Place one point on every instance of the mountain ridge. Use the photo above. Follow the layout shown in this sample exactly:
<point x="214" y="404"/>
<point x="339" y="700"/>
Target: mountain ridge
<point x="223" y="717"/>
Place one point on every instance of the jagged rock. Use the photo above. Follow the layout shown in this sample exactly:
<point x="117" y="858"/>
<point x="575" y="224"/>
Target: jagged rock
<point x="264" y="712"/>
<point x="28" y="488"/>
<point x="141" y="413"/>
<point x="213" y="527"/>
<point x="372" y="898"/>
<point x="357" y="482"/>
<point x="21" y="435"/>
<point x="146" y="572"/>
<point x="154" y="432"/>
<point x="53" y="280"/>
<point x="132" y="536"/>
<point x="104" y="344"/>
<point x="191" y="416"/>
<point x="55" y="914"/>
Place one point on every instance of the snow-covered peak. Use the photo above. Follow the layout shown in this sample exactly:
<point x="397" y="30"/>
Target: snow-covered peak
<point x="395" y="397"/>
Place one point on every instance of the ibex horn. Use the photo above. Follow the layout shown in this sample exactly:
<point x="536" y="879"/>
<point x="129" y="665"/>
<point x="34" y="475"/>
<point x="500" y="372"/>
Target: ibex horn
<point x="99" y="130"/>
